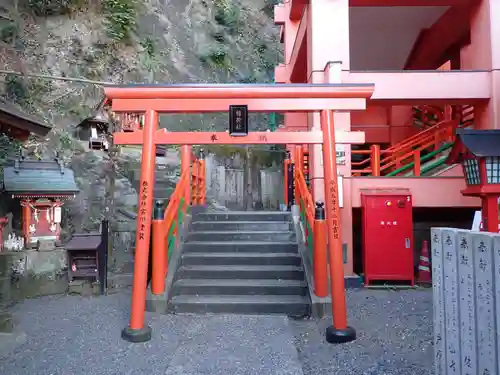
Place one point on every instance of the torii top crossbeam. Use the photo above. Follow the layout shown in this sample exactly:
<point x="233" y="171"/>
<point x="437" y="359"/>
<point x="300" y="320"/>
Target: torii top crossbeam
<point x="231" y="91"/>
<point x="199" y="98"/>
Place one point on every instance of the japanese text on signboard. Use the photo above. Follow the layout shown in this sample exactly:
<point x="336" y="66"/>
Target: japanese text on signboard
<point x="238" y="120"/>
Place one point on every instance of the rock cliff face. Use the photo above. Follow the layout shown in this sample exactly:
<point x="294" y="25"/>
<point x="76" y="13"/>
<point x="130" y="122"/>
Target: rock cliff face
<point x="132" y="41"/>
<point x="46" y="44"/>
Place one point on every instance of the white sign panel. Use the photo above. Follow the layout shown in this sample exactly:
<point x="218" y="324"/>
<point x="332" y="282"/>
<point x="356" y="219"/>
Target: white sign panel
<point x="477" y="223"/>
<point x="340" y="155"/>
<point x="57" y="214"/>
<point x="340" y="181"/>
<point x="340" y="151"/>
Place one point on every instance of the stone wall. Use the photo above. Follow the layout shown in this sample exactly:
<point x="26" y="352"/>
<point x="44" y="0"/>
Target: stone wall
<point x="123" y="230"/>
<point x="92" y="168"/>
<point x="225" y="184"/>
<point x="31" y="273"/>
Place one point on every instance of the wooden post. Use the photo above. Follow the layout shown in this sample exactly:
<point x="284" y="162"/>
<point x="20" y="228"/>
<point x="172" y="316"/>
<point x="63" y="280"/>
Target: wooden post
<point x="159" y="257"/>
<point x="285" y="178"/>
<point x="375" y="160"/>
<point x="202" y="179"/>
<point x="26" y="221"/>
<point x="291" y="183"/>
<point x="102" y="257"/>
<point x="195" y="183"/>
<point x="489" y="212"/>
<point x="299" y="158"/>
<point x="339" y="332"/>
<point x="137" y="331"/>
<point x="186" y="164"/>
<point x="416" y="163"/>
<point x="320" y="260"/>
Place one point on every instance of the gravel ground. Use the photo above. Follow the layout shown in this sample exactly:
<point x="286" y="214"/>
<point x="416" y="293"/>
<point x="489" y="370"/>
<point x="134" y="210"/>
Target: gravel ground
<point x="70" y="335"/>
<point x="394" y="330"/>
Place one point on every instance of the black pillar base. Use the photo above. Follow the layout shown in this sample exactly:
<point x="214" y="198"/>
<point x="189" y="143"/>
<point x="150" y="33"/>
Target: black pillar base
<point x="340" y="336"/>
<point x="136" y="335"/>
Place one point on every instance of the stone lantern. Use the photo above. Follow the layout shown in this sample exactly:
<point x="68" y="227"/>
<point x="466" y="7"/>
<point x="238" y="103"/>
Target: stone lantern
<point x="478" y="151"/>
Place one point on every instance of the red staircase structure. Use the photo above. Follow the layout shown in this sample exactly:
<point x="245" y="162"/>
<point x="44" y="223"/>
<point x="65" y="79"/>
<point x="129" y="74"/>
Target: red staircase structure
<point x="420" y="154"/>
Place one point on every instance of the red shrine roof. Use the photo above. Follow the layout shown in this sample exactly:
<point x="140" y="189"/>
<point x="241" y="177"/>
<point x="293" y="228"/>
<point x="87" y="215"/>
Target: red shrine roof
<point x="12" y="119"/>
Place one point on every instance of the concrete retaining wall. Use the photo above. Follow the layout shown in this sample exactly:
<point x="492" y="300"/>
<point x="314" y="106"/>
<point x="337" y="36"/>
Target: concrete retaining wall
<point x="31" y="273"/>
<point x="466" y="287"/>
<point x="226" y="185"/>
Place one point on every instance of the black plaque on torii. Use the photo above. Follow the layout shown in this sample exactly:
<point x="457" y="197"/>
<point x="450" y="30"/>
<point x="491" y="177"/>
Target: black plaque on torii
<point x="238" y="120"/>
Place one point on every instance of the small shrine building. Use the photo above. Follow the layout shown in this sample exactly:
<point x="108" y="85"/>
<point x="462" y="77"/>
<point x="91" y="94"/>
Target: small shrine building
<point x="17" y="125"/>
<point x="41" y="187"/>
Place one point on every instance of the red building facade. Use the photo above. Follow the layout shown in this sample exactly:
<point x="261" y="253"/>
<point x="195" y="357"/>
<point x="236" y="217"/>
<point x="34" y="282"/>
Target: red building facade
<point x="434" y="64"/>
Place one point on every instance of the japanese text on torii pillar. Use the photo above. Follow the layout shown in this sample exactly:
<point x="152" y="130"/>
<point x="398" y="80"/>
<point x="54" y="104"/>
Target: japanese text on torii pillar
<point x="142" y="211"/>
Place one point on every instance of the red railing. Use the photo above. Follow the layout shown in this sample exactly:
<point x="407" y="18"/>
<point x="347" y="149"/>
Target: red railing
<point x="382" y="162"/>
<point x="198" y="187"/>
<point x="167" y="223"/>
<point x="438" y="131"/>
<point x="313" y="222"/>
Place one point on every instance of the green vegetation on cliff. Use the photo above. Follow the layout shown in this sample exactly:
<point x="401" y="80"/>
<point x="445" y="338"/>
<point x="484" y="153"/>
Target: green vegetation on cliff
<point x="132" y="41"/>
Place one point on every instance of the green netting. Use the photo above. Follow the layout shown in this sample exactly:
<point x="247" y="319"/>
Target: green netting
<point x="310" y="237"/>
<point x="177" y="223"/>
<point x="171" y="238"/>
<point x="307" y="227"/>
<point x="439" y="162"/>
<point x="302" y="211"/>
<point x="180" y="212"/>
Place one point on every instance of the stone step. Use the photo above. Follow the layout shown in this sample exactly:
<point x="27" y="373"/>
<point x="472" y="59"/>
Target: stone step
<point x="166" y="187"/>
<point x="241" y="225"/>
<point x="162" y="193"/>
<point x="241" y="236"/>
<point x="241" y="258"/>
<point x="237" y="304"/>
<point x="164" y="183"/>
<point x="160" y="173"/>
<point x="244" y="216"/>
<point x="240" y="247"/>
<point x="240" y="272"/>
<point x="240" y="287"/>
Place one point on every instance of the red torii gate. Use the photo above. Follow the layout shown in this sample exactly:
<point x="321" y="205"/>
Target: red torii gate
<point x="199" y="98"/>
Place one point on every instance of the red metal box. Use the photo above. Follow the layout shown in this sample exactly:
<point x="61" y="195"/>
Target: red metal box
<point x="387" y="235"/>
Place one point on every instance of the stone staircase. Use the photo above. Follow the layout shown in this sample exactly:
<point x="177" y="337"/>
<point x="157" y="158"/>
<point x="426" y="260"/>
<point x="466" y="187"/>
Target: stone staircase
<point x="241" y="262"/>
<point x="167" y="173"/>
<point x="435" y="166"/>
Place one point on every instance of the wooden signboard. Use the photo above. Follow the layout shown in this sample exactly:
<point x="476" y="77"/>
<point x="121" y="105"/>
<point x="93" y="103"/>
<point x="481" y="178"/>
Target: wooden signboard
<point x="238" y="120"/>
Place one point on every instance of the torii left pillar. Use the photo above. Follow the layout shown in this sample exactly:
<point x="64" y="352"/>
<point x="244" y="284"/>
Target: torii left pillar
<point x="137" y="330"/>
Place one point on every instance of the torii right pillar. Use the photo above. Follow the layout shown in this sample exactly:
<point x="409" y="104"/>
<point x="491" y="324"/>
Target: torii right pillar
<point x="327" y="57"/>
